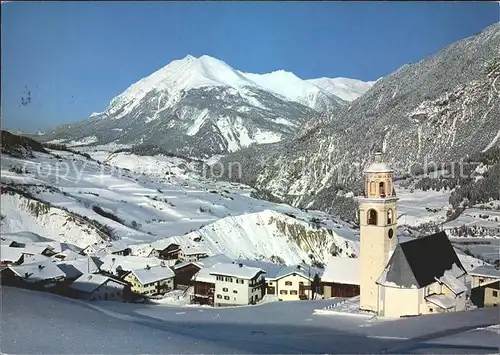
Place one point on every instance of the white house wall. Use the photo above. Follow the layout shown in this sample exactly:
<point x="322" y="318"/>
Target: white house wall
<point x="397" y="302"/>
<point x="290" y="292"/>
<point x="231" y="293"/>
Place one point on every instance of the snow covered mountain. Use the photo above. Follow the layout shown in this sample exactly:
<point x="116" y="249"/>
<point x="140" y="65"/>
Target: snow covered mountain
<point x="201" y="107"/>
<point x="441" y="109"/>
<point x="345" y="88"/>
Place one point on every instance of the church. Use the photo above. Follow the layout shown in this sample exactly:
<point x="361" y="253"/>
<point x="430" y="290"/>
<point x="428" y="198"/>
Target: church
<point x="417" y="277"/>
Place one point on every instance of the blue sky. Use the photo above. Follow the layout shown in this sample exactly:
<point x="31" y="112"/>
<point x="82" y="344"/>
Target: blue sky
<point x="74" y="57"/>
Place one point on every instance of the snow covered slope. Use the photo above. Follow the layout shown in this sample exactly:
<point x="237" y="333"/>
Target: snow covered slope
<point x="268" y="235"/>
<point x="345" y="88"/>
<point x="68" y="197"/>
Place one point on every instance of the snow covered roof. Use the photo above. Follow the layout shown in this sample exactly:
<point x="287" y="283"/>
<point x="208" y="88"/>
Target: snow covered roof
<point x="36" y="248"/>
<point x="378" y="166"/>
<point x="89" y="282"/>
<point x="486" y="271"/>
<point x="420" y="262"/>
<point x="190" y="250"/>
<point x="67" y="254"/>
<point x="204" y="275"/>
<point x="454" y="284"/>
<point x="342" y="270"/>
<point x="206" y="262"/>
<point x="9" y="254"/>
<point x="35" y="272"/>
<point x="127" y="263"/>
<point x="143" y="252"/>
<point x="282" y="271"/>
<point x="76" y="267"/>
<point x="443" y="301"/>
<point x="236" y="270"/>
<point x="153" y="274"/>
<point x="35" y="258"/>
<point x="214" y="259"/>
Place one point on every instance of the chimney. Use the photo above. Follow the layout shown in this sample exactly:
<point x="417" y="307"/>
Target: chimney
<point x="378" y="157"/>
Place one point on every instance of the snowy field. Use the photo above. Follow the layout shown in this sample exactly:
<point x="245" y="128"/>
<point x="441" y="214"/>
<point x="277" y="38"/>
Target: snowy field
<point x="418" y="207"/>
<point x="475" y="217"/>
<point x="282" y="327"/>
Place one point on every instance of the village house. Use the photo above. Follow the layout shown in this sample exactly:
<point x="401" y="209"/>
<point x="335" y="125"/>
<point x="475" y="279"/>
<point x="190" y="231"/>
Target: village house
<point x="35" y="275"/>
<point x="341" y="277"/>
<point x="483" y="274"/>
<point x="10" y="255"/>
<point x="151" y="280"/>
<point x="236" y="284"/>
<point x="487" y="294"/>
<point x="67" y="254"/>
<point x="115" y="248"/>
<point x="184" y="271"/>
<point x="147" y="252"/>
<point x="94" y="287"/>
<point x="74" y="268"/>
<point x="203" y="287"/>
<point x="290" y="283"/>
<point x="193" y="253"/>
<point x="171" y="251"/>
<point x="420" y="276"/>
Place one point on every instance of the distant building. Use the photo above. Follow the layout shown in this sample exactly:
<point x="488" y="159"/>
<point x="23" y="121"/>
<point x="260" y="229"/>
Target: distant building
<point x="193" y="253"/>
<point x="290" y="284"/>
<point x="151" y="280"/>
<point x="487" y="294"/>
<point x="114" y="248"/>
<point x="341" y="277"/>
<point x="484" y="274"/>
<point x="416" y="277"/>
<point x="237" y="284"/>
<point x="171" y="251"/>
<point x="95" y="287"/>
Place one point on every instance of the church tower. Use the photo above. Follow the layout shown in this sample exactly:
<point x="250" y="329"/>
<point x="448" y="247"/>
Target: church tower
<point x="377" y="218"/>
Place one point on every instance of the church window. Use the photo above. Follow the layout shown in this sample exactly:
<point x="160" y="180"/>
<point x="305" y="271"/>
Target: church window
<point x="372" y="217"/>
<point x="381" y="189"/>
<point x="389" y="216"/>
<point x="372" y="188"/>
<point x="391" y="233"/>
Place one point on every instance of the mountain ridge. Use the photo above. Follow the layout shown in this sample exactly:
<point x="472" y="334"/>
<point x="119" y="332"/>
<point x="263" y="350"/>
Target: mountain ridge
<point x="202" y="107"/>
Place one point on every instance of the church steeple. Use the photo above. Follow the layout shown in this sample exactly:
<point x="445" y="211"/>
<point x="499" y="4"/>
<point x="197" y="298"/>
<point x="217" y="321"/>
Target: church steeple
<point x="377" y="214"/>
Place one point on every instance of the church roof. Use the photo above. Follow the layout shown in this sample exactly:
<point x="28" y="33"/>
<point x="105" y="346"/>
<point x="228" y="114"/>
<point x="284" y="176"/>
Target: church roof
<point x="420" y="262"/>
<point x="378" y="166"/>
